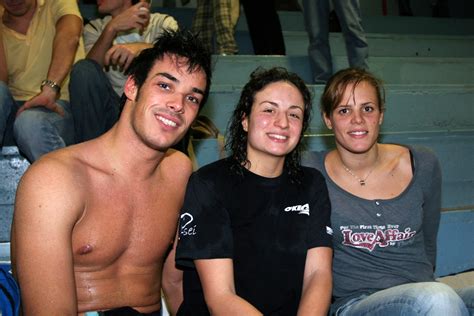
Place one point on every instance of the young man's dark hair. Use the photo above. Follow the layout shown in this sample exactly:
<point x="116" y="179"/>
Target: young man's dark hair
<point x="182" y="43"/>
<point x="237" y="136"/>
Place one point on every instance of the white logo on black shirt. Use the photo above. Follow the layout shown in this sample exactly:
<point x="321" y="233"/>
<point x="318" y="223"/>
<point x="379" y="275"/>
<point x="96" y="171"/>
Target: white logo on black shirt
<point x="301" y="209"/>
<point x="186" y="228"/>
<point x="329" y="230"/>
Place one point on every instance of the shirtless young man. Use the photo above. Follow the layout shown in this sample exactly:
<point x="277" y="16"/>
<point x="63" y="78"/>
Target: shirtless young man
<point x="94" y="222"/>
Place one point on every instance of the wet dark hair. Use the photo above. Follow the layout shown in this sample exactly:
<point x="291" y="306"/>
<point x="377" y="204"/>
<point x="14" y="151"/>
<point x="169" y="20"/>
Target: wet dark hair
<point x="181" y="43"/>
<point x="237" y="137"/>
<point x="337" y="84"/>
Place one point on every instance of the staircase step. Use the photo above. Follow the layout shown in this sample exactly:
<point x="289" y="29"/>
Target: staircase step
<point x="454" y="237"/>
<point x="384" y="45"/>
<point x="393" y="70"/>
<point x="12" y="167"/>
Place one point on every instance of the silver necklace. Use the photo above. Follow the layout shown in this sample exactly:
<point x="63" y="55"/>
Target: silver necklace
<point x="361" y="181"/>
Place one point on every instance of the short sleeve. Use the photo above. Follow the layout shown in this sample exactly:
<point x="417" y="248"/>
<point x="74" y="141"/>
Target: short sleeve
<point x="320" y="231"/>
<point x="204" y="226"/>
<point x="91" y="33"/>
<point x="61" y="8"/>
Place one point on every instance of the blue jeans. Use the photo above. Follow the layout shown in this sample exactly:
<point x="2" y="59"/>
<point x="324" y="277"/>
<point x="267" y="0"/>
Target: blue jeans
<point x="423" y="298"/>
<point x="95" y="104"/>
<point x="35" y="131"/>
<point x="316" y="16"/>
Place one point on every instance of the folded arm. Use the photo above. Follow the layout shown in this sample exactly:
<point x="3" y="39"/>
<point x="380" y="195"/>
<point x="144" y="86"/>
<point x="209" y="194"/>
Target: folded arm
<point x="137" y="16"/>
<point x="217" y="279"/>
<point x="317" y="283"/>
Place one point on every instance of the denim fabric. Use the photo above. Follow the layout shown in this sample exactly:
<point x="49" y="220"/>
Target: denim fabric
<point x="35" y="131"/>
<point x="423" y="298"/>
<point x="94" y="103"/>
<point x="6" y="105"/>
<point x="467" y="295"/>
<point x="316" y="15"/>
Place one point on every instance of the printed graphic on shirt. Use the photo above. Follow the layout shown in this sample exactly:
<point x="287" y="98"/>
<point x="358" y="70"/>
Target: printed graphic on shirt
<point x="370" y="236"/>
<point x="301" y="209"/>
<point x="187" y="228"/>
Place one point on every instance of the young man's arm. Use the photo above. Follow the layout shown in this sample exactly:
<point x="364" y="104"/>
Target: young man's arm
<point x="217" y="279"/>
<point x="136" y="16"/>
<point x="172" y="281"/>
<point x="317" y="283"/>
<point x="66" y="41"/>
<point x="47" y="206"/>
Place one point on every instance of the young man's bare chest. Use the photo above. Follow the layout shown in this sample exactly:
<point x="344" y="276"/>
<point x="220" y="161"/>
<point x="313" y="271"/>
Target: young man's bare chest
<point x="133" y="223"/>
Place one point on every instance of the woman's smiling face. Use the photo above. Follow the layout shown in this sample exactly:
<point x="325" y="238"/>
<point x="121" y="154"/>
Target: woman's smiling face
<point x="275" y="122"/>
<point x="356" y="119"/>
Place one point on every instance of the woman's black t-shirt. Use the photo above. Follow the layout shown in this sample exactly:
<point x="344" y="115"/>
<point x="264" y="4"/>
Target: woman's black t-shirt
<point x="265" y="225"/>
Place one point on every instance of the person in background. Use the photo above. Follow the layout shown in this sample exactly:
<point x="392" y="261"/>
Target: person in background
<point x="94" y="222"/>
<point x="404" y="8"/>
<point x="254" y="234"/>
<point x="40" y="41"/>
<point x="385" y="209"/>
<point x="213" y="19"/>
<point x="287" y="5"/>
<point x="316" y="15"/>
<point x="111" y="42"/>
<point x="264" y="27"/>
<point x="440" y="8"/>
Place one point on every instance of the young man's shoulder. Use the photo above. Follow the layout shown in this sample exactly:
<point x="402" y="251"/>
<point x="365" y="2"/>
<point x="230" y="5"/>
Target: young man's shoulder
<point x="176" y="163"/>
<point x="63" y="165"/>
<point x="53" y="183"/>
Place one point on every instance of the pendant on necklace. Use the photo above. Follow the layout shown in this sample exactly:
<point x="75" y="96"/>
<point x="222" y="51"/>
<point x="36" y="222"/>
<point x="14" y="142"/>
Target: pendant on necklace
<point x="362" y="182"/>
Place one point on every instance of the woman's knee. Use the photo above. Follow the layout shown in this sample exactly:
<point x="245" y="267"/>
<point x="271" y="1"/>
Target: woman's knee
<point x="424" y="298"/>
<point x="434" y="298"/>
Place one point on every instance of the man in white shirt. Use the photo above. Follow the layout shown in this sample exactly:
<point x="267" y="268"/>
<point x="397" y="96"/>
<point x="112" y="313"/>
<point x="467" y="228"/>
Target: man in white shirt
<point x="111" y="43"/>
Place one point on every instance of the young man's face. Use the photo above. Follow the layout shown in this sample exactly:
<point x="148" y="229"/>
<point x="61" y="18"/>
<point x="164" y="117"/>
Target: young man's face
<point x="167" y="102"/>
